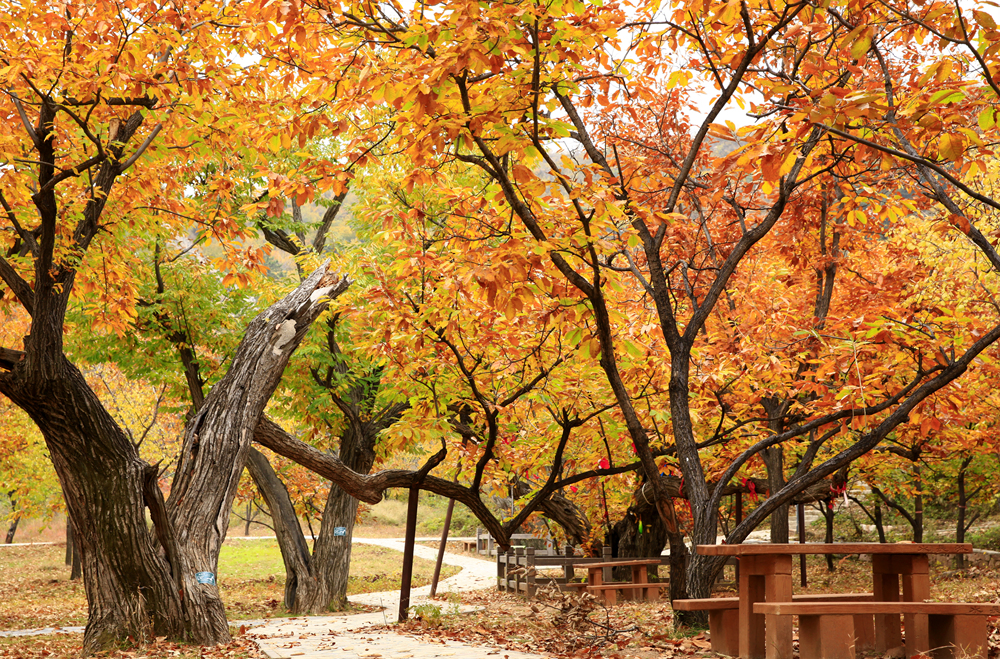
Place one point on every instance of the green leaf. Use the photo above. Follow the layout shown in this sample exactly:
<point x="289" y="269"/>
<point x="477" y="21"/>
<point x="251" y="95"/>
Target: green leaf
<point x="633" y="350"/>
<point x="987" y="119"/>
<point x="947" y="96"/>
<point x="861" y="45"/>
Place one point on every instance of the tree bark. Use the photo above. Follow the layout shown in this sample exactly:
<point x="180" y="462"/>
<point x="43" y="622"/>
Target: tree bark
<point x="72" y="553"/>
<point x="139" y="584"/>
<point x="217" y="441"/>
<point x="775" y="460"/>
<point x="879" y="526"/>
<point x="294" y="548"/>
<point x="563" y="512"/>
<point x="633" y="543"/>
<point x="827" y="507"/>
<point x="963" y="502"/>
<point x="12" y="529"/>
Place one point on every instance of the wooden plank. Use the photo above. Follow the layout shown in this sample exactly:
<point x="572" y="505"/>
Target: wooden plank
<point x="621" y="563"/>
<point x="721" y="603"/>
<point x="764" y="549"/>
<point x="627" y="585"/>
<point x="712" y="604"/>
<point x="857" y="608"/>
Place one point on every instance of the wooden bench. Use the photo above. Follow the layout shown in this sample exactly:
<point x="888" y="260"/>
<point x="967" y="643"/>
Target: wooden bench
<point x="648" y="591"/>
<point x="724" y="618"/>
<point x="639" y="585"/>
<point x="951" y="630"/>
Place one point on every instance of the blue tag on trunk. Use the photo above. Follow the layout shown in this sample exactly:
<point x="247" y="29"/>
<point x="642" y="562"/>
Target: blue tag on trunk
<point x="205" y="577"/>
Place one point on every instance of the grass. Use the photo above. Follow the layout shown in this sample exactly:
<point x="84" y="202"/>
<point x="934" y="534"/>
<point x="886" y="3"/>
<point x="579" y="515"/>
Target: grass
<point x="35" y="590"/>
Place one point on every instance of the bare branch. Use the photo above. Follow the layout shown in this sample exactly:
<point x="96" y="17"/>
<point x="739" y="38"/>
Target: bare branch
<point x="142" y="148"/>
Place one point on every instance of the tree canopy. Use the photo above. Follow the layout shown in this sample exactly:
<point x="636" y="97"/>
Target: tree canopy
<point x="577" y="267"/>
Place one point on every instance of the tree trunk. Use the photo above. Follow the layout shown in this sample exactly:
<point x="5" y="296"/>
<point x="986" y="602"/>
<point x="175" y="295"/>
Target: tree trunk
<point x="827" y="507"/>
<point x="678" y="565"/>
<point x="774" y="460"/>
<point x="129" y="592"/>
<point x="879" y="527"/>
<point x="12" y="529"/>
<point x="140" y="585"/>
<point x="332" y="551"/>
<point x="632" y="543"/>
<point x="918" y="505"/>
<point x="73" y="553"/>
<point x="701" y="570"/>
<point x="963" y="502"/>
<point x="69" y="541"/>
<point x="249" y="517"/>
<point x="294" y="548"/>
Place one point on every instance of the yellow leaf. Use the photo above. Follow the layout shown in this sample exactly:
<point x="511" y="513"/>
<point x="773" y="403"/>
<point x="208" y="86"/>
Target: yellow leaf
<point x="861" y="45"/>
<point x="984" y="19"/>
<point x="951" y="147"/>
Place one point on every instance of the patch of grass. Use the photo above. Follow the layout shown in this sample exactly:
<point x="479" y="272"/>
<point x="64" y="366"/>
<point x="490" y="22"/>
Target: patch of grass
<point x="388" y="517"/>
<point x="35" y="590"/>
<point x="988" y="538"/>
<point x="258" y="590"/>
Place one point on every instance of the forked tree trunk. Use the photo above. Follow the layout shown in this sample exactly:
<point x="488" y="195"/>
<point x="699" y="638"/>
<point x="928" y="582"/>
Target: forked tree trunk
<point x="318" y="582"/>
<point x="138" y="584"/>
<point x="291" y="540"/>
<point x="332" y="551"/>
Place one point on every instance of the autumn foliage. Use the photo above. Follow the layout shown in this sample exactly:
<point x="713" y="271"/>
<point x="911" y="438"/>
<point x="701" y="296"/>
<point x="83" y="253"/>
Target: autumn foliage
<point x="705" y="241"/>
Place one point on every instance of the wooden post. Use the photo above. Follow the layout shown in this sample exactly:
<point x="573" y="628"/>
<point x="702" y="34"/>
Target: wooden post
<point x="801" y="510"/>
<point x="444" y="542"/>
<point x="411" y="537"/>
<point x="518" y="556"/>
<point x="530" y="574"/>
<point x="739" y="518"/>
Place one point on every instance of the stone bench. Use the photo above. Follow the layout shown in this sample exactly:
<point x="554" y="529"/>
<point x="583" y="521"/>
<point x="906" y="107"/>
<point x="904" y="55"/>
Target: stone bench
<point x="827" y="630"/>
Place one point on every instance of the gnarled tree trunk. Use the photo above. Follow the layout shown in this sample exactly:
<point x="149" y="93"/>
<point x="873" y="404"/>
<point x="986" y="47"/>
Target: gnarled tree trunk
<point x="291" y="541"/>
<point x="139" y="584"/>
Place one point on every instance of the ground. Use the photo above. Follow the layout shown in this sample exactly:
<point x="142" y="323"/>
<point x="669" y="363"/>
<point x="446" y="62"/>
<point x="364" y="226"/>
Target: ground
<point x="35" y="592"/>
<point x="645" y="630"/>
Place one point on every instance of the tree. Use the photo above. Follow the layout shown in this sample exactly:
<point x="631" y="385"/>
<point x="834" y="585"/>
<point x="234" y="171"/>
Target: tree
<point x="71" y="140"/>
<point x="497" y="87"/>
<point x="96" y="180"/>
<point x="646" y="241"/>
